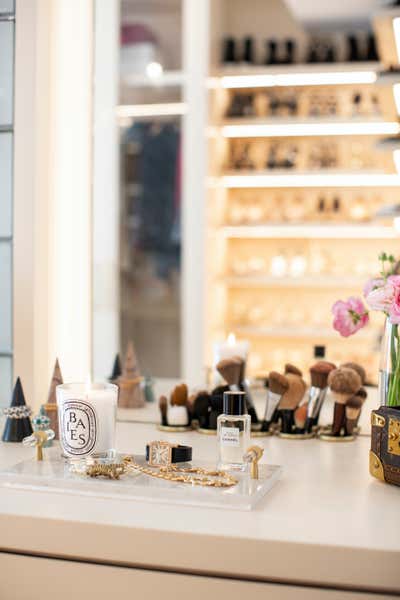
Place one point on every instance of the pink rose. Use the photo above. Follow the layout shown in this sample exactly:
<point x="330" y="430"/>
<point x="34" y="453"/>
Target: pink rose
<point x="372" y="284"/>
<point x="394" y="310"/>
<point x="387" y="298"/>
<point x="349" y="316"/>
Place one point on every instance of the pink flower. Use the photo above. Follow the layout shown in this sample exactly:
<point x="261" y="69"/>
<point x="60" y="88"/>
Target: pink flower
<point x="372" y="284"/>
<point x="394" y="310"/>
<point x="349" y="316"/>
<point x="387" y="298"/>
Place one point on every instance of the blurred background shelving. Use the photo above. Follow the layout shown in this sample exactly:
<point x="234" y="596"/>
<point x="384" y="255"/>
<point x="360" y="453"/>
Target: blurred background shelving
<point x="299" y="171"/>
<point x="257" y="193"/>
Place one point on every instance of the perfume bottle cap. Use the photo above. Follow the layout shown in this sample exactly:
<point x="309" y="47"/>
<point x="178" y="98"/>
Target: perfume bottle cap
<point x="234" y="403"/>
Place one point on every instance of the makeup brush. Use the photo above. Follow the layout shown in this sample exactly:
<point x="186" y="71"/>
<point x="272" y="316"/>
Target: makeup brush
<point x="300" y="416"/>
<point x="243" y="385"/>
<point x="163" y="405"/>
<point x="289" y="368"/>
<point x="230" y="369"/>
<point x="179" y="395"/>
<point x="358" y="368"/>
<point x="317" y="393"/>
<point x="178" y="414"/>
<point x="344" y="383"/>
<point x="201" y="409"/>
<point x="290" y="401"/>
<point x="277" y="385"/>
<point x="353" y="410"/>
<point x="216" y="401"/>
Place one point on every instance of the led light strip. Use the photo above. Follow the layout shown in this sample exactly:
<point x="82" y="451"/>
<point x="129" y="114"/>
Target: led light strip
<point x="298" y="79"/>
<point x="291" y="180"/>
<point x="309" y="231"/>
<point x="309" y="129"/>
<point x="151" y="110"/>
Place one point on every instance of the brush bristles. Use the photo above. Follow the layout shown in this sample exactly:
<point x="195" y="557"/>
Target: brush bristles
<point x="344" y="381"/>
<point x="300" y="416"/>
<point x="179" y="395"/>
<point x="163" y="404"/>
<point x="242" y="372"/>
<point x="289" y="368"/>
<point x="354" y="402"/>
<point x="230" y="369"/>
<point x="319" y="373"/>
<point x="362" y="393"/>
<point x="278" y="384"/>
<point x="294" y="394"/>
<point x="358" y="369"/>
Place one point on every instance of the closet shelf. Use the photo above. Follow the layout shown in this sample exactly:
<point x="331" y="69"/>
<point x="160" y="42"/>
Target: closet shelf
<point x="246" y="127"/>
<point x="316" y="281"/>
<point x="374" y="232"/>
<point x="290" y="178"/>
<point x="248" y="76"/>
<point x="298" y="332"/>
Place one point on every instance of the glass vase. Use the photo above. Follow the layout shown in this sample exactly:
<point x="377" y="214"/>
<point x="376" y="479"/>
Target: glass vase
<point x="389" y="370"/>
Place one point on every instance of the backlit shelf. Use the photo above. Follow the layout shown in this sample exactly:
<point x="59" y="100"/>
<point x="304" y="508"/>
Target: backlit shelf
<point x="294" y="127"/>
<point x="290" y="178"/>
<point x="254" y="281"/>
<point x="296" y="75"/>
<point x="310" y="232"/>
<point x="291" y="332"/>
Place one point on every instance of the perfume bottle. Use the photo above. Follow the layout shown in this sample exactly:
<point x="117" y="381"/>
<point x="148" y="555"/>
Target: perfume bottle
<point x="233" y="432"/>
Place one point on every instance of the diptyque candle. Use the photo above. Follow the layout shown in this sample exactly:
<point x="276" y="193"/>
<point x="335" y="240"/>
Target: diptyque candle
<point x="87" y="415"/>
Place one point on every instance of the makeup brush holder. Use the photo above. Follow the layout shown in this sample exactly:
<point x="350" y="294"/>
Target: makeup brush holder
<point x="174" y="428"/>
<point x="337" y="431"/>
<point x="178" y="420"/>
<point x="289" y="430"/>
<point x="261" y="430"/>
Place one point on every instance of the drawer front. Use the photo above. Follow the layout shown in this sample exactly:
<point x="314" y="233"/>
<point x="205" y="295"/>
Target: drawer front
<point x="34" y="578"/>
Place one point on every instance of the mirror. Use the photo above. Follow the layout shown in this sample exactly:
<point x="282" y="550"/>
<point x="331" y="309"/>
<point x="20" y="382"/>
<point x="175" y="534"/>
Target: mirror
<point x="275" y="252"/>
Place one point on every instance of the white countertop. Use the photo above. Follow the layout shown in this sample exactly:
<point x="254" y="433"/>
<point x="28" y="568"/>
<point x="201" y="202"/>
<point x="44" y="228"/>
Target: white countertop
<point x="326" y="522"/>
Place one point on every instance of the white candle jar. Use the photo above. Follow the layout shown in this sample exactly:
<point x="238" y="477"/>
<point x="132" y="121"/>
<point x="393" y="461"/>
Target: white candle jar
<point x="87" y="416"/>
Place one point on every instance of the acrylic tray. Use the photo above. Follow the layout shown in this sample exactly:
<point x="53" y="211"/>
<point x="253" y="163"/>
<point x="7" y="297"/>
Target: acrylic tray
<point x="53" y="475"/>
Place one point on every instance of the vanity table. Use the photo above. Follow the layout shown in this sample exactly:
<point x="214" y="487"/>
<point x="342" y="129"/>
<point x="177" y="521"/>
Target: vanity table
<point x="326" y="530"/>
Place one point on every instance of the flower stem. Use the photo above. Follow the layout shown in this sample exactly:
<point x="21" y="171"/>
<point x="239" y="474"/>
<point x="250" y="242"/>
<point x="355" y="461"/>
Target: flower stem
<point x="394" y="382"/>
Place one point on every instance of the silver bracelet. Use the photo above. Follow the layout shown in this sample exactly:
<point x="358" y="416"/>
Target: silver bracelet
<point x="17" y="412"/>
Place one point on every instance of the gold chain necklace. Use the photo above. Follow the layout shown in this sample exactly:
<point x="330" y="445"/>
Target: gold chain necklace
<point x="169" y="473"/>
<point x="184" y="474"/>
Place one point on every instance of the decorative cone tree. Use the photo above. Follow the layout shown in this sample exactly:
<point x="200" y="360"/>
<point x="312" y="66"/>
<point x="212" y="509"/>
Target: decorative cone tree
<point x="131" y="367"/>
<point x="130" y="388"/>
<point x="117" y="370"/>
<point x="18" y="423"/>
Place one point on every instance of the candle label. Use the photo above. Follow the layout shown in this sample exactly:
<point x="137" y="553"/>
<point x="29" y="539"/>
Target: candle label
<point x="78" y="427"/>
<point x="230" y="436"/>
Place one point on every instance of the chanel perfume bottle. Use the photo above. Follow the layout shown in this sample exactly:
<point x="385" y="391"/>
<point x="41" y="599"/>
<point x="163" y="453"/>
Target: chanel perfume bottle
<point x="233" y="432"/>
